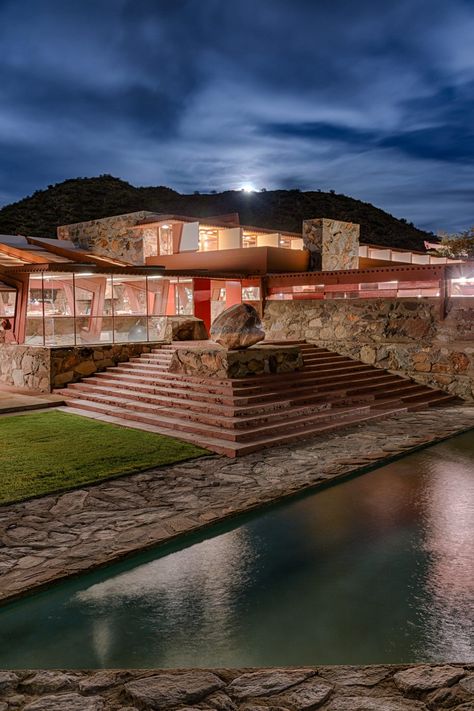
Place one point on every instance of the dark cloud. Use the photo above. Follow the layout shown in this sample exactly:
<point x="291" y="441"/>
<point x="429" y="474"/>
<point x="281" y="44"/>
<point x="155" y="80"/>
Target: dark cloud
<point x="369" y="99"/>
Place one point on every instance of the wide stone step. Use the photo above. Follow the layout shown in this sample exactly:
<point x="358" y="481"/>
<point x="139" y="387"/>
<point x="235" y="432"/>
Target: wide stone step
<point x="264" y="392"/>
<point x="216" y="444"/>
<point x="210" y="426"/>
<point x="223" y="415"/>
<point x="271" y="399"/>
<point x="216" y="405"/>
<point x="331" y="370"/>
<point x="271" y="391"/>
<point x="238" y="416"/>
<point x="150" y="387"/>
<point x="217" y="417"/>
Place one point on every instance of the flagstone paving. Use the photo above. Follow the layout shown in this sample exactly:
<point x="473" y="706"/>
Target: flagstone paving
<point x="46" y="539"/>
<point x="423" y="687"/>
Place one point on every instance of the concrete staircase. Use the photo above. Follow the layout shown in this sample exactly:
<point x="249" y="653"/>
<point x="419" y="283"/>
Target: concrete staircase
<point x="235" y="417"/>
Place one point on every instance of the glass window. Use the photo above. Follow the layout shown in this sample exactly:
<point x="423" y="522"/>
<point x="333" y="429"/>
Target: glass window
<point x="58" y="294"/>
<point x="160" y="295"/>
<point x="129" y="295"/>
<point x="93" y="295"/>
<point x="7" y="301"/>
<point x="208" y="239"/>
<point x="58" y="331"/>
<point x="184" y="297"/>
<point x="165" y="237"/>
<point x="35" y="296"/>
<point x="91" y="330"/>
<point x="130" y="328"/>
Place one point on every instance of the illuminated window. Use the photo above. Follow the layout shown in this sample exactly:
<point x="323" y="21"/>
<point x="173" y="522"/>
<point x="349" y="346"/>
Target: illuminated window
<point x="165" y="237"/>
<point x="208" y="240"/>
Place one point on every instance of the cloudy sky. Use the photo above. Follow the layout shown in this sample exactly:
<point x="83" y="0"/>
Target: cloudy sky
<point x="372" y="99"/>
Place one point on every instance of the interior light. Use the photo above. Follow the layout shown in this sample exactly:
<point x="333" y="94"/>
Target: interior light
<point x="165" y="227"/>
<point x="155" y="276"/>
<point x="85" y="274"/>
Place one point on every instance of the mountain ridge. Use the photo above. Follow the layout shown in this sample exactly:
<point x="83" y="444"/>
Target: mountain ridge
<point x="81" y="199"/>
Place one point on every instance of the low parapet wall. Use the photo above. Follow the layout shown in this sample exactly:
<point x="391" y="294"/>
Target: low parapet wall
<point x="43" y="369"/>
<point x="408" y="336"/>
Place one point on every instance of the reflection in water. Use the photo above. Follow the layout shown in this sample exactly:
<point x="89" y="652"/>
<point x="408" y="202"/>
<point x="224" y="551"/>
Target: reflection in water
<point x="449" y="542"/>
<point x="198" y="586"/>
<point x="377" y="569"/>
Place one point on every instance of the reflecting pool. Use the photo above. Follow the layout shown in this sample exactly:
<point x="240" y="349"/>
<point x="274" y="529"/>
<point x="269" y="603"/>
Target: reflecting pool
<point x="379" y="568"/>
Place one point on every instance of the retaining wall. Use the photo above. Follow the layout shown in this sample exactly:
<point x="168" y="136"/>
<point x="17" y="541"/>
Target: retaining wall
<point x="43" y="369"/>
<point x="407" y="336"/>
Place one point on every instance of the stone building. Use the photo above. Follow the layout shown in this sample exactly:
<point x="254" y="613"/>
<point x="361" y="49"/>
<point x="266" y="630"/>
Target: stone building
<point x="112" y="286"/>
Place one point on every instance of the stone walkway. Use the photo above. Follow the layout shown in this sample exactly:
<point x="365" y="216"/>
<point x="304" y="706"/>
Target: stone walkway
<point x="46" y="539"/>
<point x="18" y="400"/>
<point x="372" y="688"/>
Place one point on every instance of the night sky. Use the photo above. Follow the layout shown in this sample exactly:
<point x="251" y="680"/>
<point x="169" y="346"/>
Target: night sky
<point x="374" y="99"/>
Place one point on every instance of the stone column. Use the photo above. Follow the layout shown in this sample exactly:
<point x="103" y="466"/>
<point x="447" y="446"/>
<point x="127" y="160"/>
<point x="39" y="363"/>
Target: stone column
<point x="332" y="244"/>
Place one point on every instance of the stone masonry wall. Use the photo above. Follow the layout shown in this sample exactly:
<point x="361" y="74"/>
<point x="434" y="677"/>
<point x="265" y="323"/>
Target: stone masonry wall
<point x="43" y="369"/>
<point x="25" y="367"/>
<point x="406" y="336"/>
<point x="69" y="365"/>
<point x="109" y="236"/>
<point x="416" y="687"/>
<point x="332" y="244"/>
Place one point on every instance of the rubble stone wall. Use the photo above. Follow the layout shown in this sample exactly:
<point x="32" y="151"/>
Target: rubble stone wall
<point x="416" y="687"/>
<point x="409" y="337"/>
<point x="332" y="244"/>
<point x="25" y="367"/>
<point x="214" y="361"/>
<point x="43" y="369"/>
<point x="109" y="237"/>
<point x="71" y="364"/>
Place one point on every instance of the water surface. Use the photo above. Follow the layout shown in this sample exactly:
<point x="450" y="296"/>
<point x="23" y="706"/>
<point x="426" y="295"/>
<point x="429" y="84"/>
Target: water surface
<point x="379" y="568"/>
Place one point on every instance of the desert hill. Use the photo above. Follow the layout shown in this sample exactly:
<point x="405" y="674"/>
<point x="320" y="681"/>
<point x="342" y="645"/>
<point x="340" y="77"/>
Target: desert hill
<point x="82" y="199"/>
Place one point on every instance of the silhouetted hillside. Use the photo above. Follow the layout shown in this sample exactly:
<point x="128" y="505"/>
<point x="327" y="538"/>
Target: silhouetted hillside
<point x="88" y="198"/>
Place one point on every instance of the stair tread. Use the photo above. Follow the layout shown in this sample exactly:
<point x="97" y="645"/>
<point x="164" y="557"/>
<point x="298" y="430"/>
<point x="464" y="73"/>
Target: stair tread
<point x="228" y="429"/>
<point x="237" y="416"/>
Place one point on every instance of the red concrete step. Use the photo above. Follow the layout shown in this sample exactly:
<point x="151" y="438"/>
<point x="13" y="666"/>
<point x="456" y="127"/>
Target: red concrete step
<point x="216" y="417"/>
<point x="232" y="428"/>
<point x="227" y="393"/>
<point x="216" y="444"/>
<point x="187" y="399"/>
<point x="242" y="415"/>
<point x="342" y="369"/>
<point x="296" y="436"/>
<point x="241" y="384"/>
<point x="275" y="397"/>
<point x="242" y="396"/>
<point x="145" y="386"/>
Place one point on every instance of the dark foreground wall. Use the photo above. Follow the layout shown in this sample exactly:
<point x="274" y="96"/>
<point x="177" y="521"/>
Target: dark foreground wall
<point x="408" y="336"/>
<point x="344" y="688"/>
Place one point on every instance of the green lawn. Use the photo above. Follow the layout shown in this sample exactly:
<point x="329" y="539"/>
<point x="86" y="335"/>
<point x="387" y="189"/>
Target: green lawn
<point x="51" y="451"/>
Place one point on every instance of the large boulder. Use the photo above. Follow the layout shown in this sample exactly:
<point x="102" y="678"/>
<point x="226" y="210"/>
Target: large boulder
<point x="237" y="327"/>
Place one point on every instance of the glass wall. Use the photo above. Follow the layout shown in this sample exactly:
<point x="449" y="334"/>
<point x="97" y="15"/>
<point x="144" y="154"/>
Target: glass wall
<point x="7" y="311"/>
<point x="82" y="309"/>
